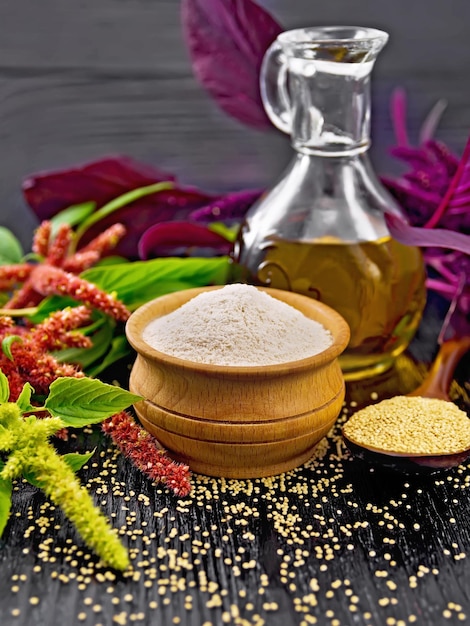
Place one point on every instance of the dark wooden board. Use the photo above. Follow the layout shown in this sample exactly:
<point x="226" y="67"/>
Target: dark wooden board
<point x="366" y="547"/>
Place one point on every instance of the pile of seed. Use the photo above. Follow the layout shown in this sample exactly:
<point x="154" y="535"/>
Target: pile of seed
<point x="411" y="425"/>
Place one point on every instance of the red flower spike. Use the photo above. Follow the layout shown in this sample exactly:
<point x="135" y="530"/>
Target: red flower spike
<point x="41" y="239"/>
<point x="97" y="248"/>
<point x="142" y="449"/>
<point x="80" y="262"/>
<point x="49" y="281"/>
<point x="106" y="241"/>
<point x="12" y="275"/>
<point x="31" y="363"/>
<point x="54" y="332"/>
<point x="51" y="276"/>
<point x="58" y="248"/>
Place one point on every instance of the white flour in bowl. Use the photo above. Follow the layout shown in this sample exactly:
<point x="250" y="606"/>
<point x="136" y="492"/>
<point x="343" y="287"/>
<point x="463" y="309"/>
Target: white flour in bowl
<point x="237" y="325"/>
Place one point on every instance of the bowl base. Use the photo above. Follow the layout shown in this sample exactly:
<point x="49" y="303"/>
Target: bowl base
<point x="231" y="469"/>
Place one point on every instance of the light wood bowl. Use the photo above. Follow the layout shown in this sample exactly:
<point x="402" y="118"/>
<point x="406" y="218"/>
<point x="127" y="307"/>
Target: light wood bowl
<point x="232" y="421"/>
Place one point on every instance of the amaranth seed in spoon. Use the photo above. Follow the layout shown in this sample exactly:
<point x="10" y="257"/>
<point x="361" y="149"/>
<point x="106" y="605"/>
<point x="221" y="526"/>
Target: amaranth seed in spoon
<point x="410" y="425"/>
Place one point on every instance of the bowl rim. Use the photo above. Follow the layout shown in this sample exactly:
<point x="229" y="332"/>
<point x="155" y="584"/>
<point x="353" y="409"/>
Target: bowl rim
<point x="137" y="322"/>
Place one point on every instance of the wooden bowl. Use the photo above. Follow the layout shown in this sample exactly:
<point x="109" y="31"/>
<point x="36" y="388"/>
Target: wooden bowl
<point x="232" y="421"/>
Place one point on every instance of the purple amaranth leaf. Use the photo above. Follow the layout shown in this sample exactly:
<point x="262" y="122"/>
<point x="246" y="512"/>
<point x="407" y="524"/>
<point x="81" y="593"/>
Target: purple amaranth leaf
<point x="427" y="237"/>
<point x="232" y="207"/>
<point x="163" y="239"/>
<point x="100" y="181"/>
<point x="227" y="40"/>
<point x="138" y="217"/>
<point x="104" y="180"/>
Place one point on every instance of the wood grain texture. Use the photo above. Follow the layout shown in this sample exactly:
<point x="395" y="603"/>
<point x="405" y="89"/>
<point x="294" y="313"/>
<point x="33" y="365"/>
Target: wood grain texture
<point x="335" y="541"/>
<point x="80" y="82"/>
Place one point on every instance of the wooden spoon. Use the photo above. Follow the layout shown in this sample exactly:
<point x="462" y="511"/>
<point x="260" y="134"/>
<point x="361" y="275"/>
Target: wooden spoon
<point x="435" y="385"/>
<point x="437" y="382"/>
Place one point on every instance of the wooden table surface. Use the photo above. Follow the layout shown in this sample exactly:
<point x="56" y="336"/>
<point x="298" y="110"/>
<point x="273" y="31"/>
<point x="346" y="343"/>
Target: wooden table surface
<point x="334" y="542"/>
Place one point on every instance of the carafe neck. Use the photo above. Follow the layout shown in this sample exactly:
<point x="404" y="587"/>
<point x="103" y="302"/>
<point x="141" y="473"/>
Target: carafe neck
<point x="315" y="85"/>
<point x="330" y="109"/>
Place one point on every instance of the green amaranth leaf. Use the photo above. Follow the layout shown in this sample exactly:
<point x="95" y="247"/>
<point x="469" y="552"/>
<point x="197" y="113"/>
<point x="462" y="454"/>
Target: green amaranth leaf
<point x="76" y="461"/>
<point x="5" y="500"/>
<point x="24" y="399"/>
<point x="7" y="343"/>
<point x="229" y="232"/>
<point x="82" y="401"/>
<point x="72" y="215"/>
<point x="86" y="356"/>
<point x="141" y="281"/>
<point x="50" y="305"/>
<point x="120" y="348"/>
<point x="4" y="388"/>
<point x="10" y="248"/>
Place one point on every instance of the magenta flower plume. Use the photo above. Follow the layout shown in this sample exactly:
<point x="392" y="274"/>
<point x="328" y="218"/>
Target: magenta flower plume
<point x="435" y="195"/>
<point x="435" y="190"/>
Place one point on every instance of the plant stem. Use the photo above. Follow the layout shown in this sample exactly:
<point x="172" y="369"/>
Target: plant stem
<point x="114" y="205"/>
<point x="19" y="312"/>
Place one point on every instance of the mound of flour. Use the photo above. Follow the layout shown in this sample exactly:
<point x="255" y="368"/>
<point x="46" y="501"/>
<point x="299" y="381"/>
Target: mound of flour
<point x="237" y="325"/>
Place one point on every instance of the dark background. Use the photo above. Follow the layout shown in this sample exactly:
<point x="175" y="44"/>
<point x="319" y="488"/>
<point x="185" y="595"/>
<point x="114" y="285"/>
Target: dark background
<point x="82" y="79"/>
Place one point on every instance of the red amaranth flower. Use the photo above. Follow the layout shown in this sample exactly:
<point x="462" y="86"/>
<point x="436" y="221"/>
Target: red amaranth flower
<point x="54" y="333"/>
<point x="30" y="360"/>
<point x="27" y="360"/>
<point x="56" y="274"/>
<point x="141" y="448"/>
<point x="50" y="280"/>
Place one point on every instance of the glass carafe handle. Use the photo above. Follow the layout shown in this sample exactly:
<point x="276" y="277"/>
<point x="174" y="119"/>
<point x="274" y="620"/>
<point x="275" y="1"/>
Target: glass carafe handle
<point x="279" y="74"/>
<point x="273" y="86"/>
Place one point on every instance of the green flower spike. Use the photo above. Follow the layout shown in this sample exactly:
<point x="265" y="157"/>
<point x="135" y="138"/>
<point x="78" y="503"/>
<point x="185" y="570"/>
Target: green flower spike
<point x="25" y="440"/>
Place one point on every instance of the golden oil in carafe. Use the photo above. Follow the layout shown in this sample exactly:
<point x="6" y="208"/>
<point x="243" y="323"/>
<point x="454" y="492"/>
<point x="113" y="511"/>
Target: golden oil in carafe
<point x="377" y="286"/>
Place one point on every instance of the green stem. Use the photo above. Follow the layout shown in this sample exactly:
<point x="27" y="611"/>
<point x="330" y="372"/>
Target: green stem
<point x="32" y="310"/>
<point x="115" y="204"/>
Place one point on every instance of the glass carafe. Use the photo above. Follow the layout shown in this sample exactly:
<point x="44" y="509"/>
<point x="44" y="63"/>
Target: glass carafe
<point x="320" y="230"/>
